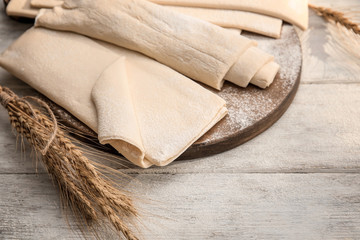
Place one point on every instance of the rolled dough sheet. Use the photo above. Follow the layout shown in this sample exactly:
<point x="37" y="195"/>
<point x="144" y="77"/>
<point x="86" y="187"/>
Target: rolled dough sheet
<point x="292" y="11"/>
<point x="147" y="111"/>
<point x="265" y="76"/>
<point x="247" y="66"/>
<point x="248" y="21"/>
<point x="242" y="79"/>
<point x="30" y="9"/>
<point x="199" y="50"/>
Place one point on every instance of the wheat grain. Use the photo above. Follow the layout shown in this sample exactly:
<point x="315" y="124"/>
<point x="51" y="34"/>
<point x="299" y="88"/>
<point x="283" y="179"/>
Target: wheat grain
<point x="84" y="189"/>
<point x="337" y="17"/>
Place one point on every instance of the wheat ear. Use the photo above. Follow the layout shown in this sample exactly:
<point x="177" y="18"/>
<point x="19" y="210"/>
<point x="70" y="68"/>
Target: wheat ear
<point x="336" y="16"/>
<point x="85" y="191"/>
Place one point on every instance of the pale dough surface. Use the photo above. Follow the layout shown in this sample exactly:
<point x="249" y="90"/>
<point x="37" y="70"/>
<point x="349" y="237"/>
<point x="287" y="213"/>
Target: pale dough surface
<point x="236" y="73"/>
<point x="234" y="30"/>
<point x="21" y="8"/>
<point x="198" y="49"/>
<point x="293" y="11"/>
<point x="266" y="75"/>
<point x="252" y="22"/>
<point x="248" y="64"/>
<point x="147" y="111"/>
<point x="248" y="21"/>
<point x="45" y="3"/>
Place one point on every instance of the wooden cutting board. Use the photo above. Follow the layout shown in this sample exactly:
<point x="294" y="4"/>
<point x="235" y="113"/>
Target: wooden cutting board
<point x="251" y="110"/>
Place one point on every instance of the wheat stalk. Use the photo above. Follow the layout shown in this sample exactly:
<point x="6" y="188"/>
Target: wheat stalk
<point x="337" y="17"/>
<point x="85" y="191"/>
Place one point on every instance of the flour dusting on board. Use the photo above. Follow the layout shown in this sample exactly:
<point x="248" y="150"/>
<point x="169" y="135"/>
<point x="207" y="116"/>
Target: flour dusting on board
<point x="247" y="106"/>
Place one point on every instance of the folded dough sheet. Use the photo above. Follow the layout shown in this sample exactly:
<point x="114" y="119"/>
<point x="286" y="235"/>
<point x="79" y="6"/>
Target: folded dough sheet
<point x="198" y="49"/>
<point x="146" y="110"/>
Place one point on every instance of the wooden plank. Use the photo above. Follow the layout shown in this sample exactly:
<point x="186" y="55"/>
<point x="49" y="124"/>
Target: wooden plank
<point x="318" y="133"/>
<point x="219" y="199"/>
<point x="9" y="29"/>
<point x="268" y="152"/>
<point x="203" y="206"/>
<point x="30" y="209"/>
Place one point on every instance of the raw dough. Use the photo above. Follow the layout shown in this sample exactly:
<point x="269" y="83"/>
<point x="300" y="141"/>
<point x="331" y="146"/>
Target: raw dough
<point x="147" y="111"/>
<point x="45" y="3"/>
<point x="248" y="21"/>
<point x="244" y="70"/>
<point x="21" y="8"/>
<point x="179" y="41"/>
<point x="293" y="11"/>
<point x="265" y="76"/>
<point x="31" y="8"/>
<point x="198" y="49"/>
<point x="235" y="30"/>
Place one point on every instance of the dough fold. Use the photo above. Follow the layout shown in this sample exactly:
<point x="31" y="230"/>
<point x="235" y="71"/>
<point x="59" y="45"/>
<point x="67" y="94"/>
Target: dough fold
<point x="146" y="110"/>
<point x="265" y="76"/>
<point x="245" y="68"/>
<point x="117" y="120"/>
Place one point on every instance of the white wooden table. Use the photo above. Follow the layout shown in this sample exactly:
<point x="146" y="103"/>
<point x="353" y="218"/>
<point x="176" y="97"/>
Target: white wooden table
<point x="298" y="180"/>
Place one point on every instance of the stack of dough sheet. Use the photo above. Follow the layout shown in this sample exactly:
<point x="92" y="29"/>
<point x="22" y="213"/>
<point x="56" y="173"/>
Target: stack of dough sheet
<point x="197" y="49"/>
<point x="236" y="19"/>
<point x="147" y="111"/>
<point x="252" y="22"/>
<point x="260" y="17"/>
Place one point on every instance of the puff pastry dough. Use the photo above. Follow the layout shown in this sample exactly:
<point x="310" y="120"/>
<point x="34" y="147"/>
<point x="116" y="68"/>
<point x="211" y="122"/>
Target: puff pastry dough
<point x="147" y="111"/>
<point x="197" y="49"/>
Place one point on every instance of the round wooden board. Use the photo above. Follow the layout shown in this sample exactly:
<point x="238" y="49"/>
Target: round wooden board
<point x="251" y="110"/>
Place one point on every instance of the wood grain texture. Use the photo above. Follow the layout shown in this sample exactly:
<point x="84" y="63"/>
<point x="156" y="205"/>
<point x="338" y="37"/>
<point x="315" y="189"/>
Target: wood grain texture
<point x="298" y="180"/>
<point x="200" y="206"/>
